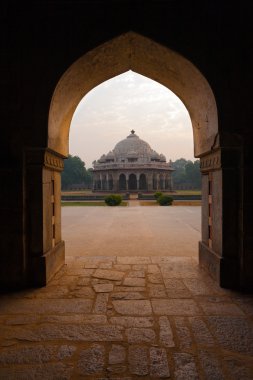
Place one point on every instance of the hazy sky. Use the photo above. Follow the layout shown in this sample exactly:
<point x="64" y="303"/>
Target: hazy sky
<point x="107" y="114"/>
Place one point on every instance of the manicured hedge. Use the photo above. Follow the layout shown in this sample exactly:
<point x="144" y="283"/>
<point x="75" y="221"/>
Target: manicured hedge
<point x="113" y="200"/>
<point x="157" y="195"/>
<point x="165" y="200"/>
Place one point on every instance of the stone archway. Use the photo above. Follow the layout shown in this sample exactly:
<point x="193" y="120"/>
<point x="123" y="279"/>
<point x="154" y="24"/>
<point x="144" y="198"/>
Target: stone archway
<point x="132" y="51"/>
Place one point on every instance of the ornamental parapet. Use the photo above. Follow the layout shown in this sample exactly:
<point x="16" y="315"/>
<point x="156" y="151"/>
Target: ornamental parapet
<point x="138" y="166"/>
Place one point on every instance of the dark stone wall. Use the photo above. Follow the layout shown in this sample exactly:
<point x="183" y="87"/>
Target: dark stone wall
<point x="41" y="39"/>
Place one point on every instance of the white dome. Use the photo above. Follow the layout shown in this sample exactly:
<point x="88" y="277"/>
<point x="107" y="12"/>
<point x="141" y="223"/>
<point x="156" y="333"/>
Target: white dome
<point x="132" y="146"/>
<point x="132" y="154"/>
<point x="134" y="151"/>
<point x="155" y="155"/>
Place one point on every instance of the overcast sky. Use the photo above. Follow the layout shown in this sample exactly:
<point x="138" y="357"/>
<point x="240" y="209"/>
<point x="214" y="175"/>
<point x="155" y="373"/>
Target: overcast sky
<point x="107" y="114"/>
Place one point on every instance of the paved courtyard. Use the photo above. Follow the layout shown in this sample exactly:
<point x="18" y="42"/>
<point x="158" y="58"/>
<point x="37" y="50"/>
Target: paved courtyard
<point x="123" y="231"/>
<point x="127" y="317"/>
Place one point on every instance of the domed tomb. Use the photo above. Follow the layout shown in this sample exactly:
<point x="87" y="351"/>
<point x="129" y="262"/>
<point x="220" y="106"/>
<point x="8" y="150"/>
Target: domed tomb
<point x="132" y="166"/>
<point x="132" y="144"/>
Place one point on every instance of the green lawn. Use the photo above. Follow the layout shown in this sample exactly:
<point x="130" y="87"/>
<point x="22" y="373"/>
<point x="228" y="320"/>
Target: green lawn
<point x="81" y="192"/>
<point x="89" y="192"/>
<point x="89" y="203"/>
<point x="175" y="203"/>
<point x="187" y="192"/>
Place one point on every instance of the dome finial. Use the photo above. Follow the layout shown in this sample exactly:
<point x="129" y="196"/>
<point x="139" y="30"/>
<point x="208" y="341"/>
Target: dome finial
<point x="132" y="131"/>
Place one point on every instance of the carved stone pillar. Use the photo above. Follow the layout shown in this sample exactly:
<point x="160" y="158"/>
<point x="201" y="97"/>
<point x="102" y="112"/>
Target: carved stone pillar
<point x="45" y="249"/>
<point x="127" y="184"/>
<point x="149" y="182"/>
<point x="115" y="178"/>
<point x="138" y="181"/>
<point x="164" y="186"/>
<point x="219" y="250"/>
<point x="246" y="220"/>
<point x="107" y="182"/>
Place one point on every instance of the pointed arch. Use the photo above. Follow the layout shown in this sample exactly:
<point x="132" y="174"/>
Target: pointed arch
<point x="143" y="182"/>
<point x="131" y="51"/>
<point x="132" y="182"/>
<point x="122" y="182"/>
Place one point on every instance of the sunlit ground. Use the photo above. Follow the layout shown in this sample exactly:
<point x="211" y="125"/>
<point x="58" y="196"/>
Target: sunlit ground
<point x="126" y="231"/>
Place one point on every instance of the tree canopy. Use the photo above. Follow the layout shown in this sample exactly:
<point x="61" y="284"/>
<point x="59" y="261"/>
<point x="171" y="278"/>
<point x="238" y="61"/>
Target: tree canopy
<point x="75" y="172"/>
<point x="187" y="173"/>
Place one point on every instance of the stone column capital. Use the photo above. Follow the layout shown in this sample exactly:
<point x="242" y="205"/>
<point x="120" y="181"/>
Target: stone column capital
<point x="44" y="157"/>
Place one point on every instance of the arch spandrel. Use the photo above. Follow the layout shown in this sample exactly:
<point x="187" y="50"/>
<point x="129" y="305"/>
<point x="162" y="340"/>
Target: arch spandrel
<point x="132" y="51"/>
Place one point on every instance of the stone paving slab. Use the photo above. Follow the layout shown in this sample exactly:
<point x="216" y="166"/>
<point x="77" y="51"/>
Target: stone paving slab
<point x="233" y="333"/>
<point x="133" y="307"/>
<point x="133" y="321"/>
<point x="96" y="325"/>
<point x="36" y="306"/>
<point x="175" y="307"/>
<point x="108" y="274"/>
<point x="73" y="332"/>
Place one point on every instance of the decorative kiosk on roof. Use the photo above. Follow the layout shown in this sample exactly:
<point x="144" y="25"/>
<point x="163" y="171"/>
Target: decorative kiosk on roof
<point x="132" y="166"/>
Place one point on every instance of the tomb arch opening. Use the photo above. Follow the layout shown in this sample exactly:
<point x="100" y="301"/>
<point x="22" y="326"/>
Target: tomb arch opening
<point x="122" y="182"/>
<point x="131" y="51"/>
<point x="132" y="182"/>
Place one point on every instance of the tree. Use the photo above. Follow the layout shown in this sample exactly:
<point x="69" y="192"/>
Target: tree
<point x="192" y="172"/>
<point x="179" y="173"/>
<point x="187" y="173"/>
<point x="74" y="172"/>
<point x="89" y="174"/>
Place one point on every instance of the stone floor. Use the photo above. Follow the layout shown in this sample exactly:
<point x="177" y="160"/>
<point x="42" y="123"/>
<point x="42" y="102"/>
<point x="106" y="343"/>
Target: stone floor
<point x="127" y="318"/>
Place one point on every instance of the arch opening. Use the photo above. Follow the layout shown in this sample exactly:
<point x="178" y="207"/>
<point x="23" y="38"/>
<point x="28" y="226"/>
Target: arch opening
<point x="132" y="51"/>
<point x="132" y="182"/>
<point x="122" y="182"/>
<point x="143" y="182"/>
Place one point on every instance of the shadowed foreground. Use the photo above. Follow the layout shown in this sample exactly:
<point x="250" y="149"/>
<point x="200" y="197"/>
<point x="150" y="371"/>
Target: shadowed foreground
<point x="127" y="318"/>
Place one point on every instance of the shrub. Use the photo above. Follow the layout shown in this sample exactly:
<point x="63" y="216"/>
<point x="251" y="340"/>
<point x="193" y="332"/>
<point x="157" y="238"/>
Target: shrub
<point x="113" y="200"/>
<point x="157" y="195"/>
<point x="165" y="200"/>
